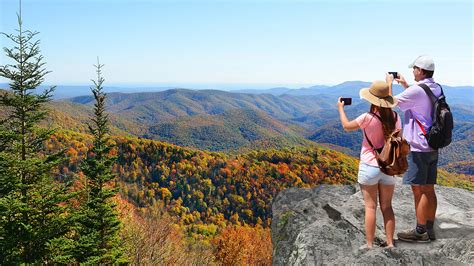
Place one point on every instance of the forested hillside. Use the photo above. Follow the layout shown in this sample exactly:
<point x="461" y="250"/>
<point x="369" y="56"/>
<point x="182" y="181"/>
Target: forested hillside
<point x="208" y="187"/>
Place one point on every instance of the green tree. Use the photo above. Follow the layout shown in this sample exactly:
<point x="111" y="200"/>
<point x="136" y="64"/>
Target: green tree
<point x="98" y="224"/>
<point x="33" y="216"/>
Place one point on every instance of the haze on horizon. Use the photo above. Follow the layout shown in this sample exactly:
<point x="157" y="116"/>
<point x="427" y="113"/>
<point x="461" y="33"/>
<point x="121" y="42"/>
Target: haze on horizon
<point x="257" y="43"/>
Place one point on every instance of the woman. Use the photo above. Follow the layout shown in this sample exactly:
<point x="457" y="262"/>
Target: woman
<point x="377" y="124"/>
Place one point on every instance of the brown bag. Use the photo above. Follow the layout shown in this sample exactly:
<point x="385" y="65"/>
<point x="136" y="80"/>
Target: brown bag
<point x="392" y="157"/>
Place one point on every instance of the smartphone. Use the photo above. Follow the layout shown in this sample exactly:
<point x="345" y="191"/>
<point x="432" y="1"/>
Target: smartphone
<point x="346" y="101"/>
<point x="394" y="74"/>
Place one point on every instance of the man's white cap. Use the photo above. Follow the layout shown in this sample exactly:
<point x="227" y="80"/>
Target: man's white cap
<point x="424" y="62"/>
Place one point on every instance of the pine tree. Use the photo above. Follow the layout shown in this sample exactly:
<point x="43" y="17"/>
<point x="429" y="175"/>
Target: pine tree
<point x="98" y="223"/>
<point x="33" y="213"/>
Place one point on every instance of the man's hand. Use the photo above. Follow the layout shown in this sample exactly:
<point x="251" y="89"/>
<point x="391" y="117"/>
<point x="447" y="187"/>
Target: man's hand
<point x="401" y="80"/>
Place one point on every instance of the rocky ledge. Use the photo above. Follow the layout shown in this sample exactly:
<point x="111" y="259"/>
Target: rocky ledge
<point x="325" y="225"/>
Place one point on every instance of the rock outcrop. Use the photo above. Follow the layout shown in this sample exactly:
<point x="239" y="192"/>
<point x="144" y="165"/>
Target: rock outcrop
<point x="325" y="225"/>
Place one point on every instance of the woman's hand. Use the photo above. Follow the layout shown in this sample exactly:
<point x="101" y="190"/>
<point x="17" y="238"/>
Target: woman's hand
<point x="346" y="124"/>
<point x="340" y="104"/>
<point x="389" y="78"/>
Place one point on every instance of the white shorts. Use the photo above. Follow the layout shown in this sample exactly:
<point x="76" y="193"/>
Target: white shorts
<point x="371" y="175"/>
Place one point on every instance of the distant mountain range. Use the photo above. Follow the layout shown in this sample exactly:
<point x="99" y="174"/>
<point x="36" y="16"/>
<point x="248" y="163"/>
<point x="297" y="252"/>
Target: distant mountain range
<point x="282" y="90"/>
<point x="230" y="121"/>
<point x="69" y="91"/>
<point x="455" y="94"/>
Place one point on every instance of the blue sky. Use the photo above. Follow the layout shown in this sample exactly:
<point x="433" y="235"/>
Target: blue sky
<point x="287" y="43"/>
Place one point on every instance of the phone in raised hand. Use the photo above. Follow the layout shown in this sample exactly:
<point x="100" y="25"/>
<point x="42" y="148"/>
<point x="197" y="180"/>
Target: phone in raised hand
<point x="346" y="101"/>
<point x="394" y="74"/>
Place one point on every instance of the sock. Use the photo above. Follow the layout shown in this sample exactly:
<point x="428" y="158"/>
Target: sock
<point x="420" y="228"/>
<point x="429" y="225"/>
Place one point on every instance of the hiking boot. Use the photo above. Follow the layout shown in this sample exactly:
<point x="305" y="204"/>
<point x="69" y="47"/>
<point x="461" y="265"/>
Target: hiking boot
<point x="413" y="236"/>
<point x="431" y="234"/>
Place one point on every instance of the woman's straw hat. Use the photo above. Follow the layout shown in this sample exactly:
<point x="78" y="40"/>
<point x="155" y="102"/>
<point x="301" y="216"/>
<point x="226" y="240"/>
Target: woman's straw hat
<point x="378" y="94"/>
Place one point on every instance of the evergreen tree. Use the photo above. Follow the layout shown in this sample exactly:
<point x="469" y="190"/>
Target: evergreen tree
<point x="98" y="223"/>
<point x="33" y="213"/>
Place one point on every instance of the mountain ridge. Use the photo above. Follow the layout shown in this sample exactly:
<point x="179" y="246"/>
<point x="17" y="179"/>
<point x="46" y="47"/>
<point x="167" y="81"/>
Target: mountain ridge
<point x="456" y="94"/>
<point x="203" y="119"/>
<point x="315" y="117"/>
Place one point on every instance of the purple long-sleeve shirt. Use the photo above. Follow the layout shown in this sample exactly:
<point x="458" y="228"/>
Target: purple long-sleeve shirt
<point x="414" y="102"/>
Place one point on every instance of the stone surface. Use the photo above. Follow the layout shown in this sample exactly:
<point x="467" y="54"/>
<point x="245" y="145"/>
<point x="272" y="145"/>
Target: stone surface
<point x="325" y="225"/>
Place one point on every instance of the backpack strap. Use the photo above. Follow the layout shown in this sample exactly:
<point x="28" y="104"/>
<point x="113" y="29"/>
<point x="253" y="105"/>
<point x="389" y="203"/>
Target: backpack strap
<point x="368" y="140"/>
<point x="442" y="93"/>
<point x="421" y="126"/>
<point x="433" y="100"/>
<point x="430" y="94"/>
<point x="366" y="137"/>
<point x="380" y="119"/>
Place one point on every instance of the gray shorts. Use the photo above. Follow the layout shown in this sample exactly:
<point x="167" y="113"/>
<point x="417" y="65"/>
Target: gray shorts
<point x="371" y="175"/>
<point x="422" y="168"/>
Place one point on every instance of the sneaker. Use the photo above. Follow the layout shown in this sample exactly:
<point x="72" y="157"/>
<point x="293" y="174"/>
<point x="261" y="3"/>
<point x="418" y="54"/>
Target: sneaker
<point x="431" y="234"/>
<point x="413" y="236"/>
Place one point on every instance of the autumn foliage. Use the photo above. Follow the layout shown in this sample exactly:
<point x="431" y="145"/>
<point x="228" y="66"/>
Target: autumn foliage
<point x="208" y="202"/>
<point x="239" y="245"/>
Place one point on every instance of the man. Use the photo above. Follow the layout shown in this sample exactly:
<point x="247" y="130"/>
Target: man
<point x="422" y="160"/>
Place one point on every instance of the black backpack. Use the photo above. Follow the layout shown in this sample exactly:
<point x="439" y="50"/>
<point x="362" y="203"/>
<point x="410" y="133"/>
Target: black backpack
<point x="439" y="135"/>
